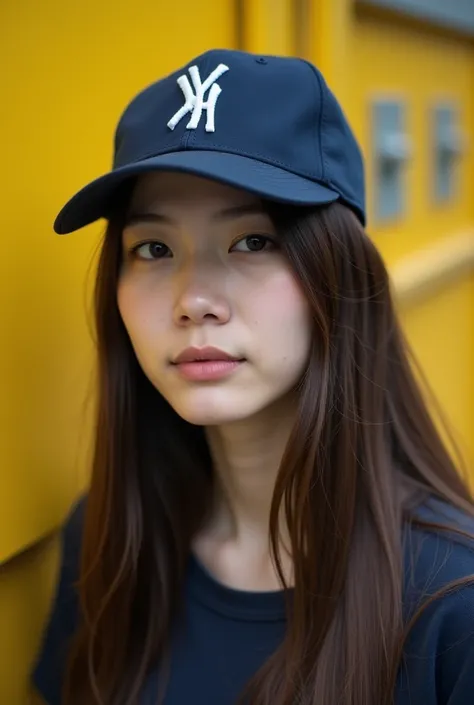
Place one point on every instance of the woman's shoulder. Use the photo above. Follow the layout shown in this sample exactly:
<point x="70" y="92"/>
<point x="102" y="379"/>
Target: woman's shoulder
<point x="439" y="606"/>
<point x="438" y="544"/>
<point x="439" y="557"/>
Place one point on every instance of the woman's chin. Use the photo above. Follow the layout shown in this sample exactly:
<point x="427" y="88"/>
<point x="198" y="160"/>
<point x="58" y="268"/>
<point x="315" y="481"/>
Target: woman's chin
<point x="208" y="408"/>
<point x="212" y="416"/>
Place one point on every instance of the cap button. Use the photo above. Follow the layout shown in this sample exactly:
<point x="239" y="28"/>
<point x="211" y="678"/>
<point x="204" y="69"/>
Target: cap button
<point x="261" y="60"/>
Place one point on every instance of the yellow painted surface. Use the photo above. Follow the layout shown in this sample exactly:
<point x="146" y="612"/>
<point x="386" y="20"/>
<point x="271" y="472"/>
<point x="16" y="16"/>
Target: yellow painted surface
<point x="269" y="26"/>
<point x="440" y="328"/>
<point x="27" y="584"/>
<point x="332" y="29"/>
<point x="390" y="59"/>
<point x="434" y="266"/>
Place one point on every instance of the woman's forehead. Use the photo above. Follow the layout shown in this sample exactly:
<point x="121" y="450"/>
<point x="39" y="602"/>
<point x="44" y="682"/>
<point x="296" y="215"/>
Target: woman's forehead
<point x="161" y="189"/>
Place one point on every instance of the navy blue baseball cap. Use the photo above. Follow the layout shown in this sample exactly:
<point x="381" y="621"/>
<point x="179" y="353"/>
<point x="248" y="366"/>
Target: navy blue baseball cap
<point x="267" y="124"/>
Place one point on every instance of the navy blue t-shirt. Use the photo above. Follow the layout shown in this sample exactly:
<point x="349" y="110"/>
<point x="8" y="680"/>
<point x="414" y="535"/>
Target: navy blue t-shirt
<point x="225" y="635"/>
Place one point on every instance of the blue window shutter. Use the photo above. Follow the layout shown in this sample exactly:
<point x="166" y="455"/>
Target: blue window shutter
<point x="391" y="149"/>
<point x="446" y="145"/>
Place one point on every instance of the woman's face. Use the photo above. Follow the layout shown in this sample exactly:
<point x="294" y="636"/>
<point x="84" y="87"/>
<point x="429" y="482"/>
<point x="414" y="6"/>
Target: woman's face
<point x="202" y="267"/>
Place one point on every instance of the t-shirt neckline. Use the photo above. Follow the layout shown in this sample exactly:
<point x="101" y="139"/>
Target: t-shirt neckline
<point x="233" y="603"/>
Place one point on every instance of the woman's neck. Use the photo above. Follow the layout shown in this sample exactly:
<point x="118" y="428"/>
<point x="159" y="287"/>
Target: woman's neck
<point x="234" y="543"/>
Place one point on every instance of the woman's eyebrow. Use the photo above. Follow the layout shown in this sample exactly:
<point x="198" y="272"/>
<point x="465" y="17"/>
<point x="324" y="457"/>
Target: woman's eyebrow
<point x="223" y="214"/>
<point x="239" y="211"/>
<point x="137" y="218"/>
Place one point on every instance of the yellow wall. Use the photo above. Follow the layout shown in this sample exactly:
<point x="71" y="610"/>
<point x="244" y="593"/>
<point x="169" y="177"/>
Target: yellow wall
<point x="268" y="26"/>
<point x="440" y="327"/>
<point x="26" y="585"/>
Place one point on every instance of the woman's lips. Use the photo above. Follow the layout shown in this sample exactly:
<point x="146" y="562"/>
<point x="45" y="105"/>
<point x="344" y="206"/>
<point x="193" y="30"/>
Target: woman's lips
<point x="207" y="370"/>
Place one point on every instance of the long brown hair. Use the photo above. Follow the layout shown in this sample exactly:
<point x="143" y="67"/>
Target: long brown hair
<point x="363" y="452"/>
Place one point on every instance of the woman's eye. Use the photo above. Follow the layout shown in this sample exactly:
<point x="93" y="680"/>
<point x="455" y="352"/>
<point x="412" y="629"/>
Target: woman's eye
<point x="151" y="250"/>
<point x="254" y="243"/>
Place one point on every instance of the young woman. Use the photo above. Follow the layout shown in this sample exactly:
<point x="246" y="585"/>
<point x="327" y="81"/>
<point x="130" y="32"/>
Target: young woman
<point x="272" y="517"/>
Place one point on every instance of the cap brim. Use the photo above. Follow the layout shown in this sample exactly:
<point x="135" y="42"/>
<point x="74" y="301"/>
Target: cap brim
<point x="95" y="200"/>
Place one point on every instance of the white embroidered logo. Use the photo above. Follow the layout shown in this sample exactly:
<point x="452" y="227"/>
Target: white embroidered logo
<point x="194" y="102"/>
